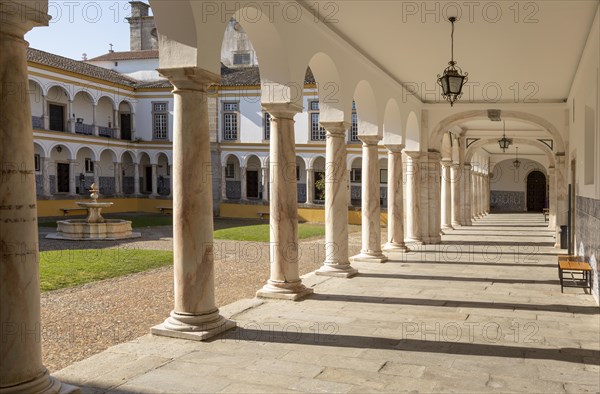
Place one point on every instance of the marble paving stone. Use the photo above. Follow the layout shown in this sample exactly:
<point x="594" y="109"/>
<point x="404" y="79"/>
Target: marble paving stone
<point x="383" y="331"/>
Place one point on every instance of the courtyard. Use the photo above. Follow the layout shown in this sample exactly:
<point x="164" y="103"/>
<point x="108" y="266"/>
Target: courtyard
<point x="481" y="312"/>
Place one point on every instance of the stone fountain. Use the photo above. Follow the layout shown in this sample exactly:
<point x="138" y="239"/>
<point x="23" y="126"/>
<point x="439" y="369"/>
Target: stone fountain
<point x="94" y="227"/>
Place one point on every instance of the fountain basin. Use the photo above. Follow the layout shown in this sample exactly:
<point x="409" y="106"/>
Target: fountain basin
<point x="81" y="229"/>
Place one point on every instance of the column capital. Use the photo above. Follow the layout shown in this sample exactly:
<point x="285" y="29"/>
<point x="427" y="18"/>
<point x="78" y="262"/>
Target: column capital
<point x="370" y="139"/>
<point x="190" y="78"/>
<point x="467" y="166"/>
<point x="413" y="154"/>
<point x="335" y="129"/>
<point x="282" y="110"/>
<point x="446" y="163"/>
<point x="394" y="148"/>
<point x="18" y="17"/>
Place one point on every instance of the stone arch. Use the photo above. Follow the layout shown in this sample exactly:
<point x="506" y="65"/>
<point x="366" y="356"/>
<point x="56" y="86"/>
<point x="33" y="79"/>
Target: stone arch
<point x="366" y="108"/>
<point x="129" y="109"/>
<point x="226" y="155"/>
<point x="310" y="162"/>
<point x="131" y="155"/>
<point x="522" y="141"/>
<point x="332" y="102"/>
<point x="456" y="119"/>
<point x="446" y="149"/>
<point x="41" y="149"/>
<point x="69" y="149"/>
<point x="95" y="155"/>
<point x="393" y="130"/>
<point x="114" y="155"/>
<point x="413" y="133"/>
<point x="157" y="155"/>
<point x="52" y="94"/>
<point x="251" y="161"/>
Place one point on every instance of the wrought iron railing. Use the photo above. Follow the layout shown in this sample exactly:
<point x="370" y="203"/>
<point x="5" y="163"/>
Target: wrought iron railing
<point x="106" y="132"/>
<point x="82" y="128"/>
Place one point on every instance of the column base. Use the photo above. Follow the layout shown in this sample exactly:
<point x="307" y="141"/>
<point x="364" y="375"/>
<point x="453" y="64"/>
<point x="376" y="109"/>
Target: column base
<point x="44" y="384"/>
<point x="413" y="241"/>
<point x="337" y="270"/>
<point x="432" y="240"/>
<point x="447" y="227"/>
<point x="193" y="327"/>
<point x="395" y="247"/>
<point x="455" y="225"/>
<point x="284" y="290"/>
<point x="468" y="223"/>
<point x="370" y="257"/>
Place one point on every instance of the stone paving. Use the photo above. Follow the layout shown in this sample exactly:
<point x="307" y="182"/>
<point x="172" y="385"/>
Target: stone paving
<point x="481" y="312"/>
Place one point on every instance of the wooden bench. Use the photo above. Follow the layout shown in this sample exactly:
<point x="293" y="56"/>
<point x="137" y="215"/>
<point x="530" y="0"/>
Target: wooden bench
<point x="575" y="272"/>
<point x="67" y="210"/>
<point x="165" y="209"/>
<point x="546" y="214"/>
<point x="263" y="215"/>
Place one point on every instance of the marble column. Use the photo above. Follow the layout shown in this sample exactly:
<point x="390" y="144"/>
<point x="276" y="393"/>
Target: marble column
<point x="45" y="176"/>
<point x="552" y="197"/>
<point x="395" y="203"/>
<point x="136" y="179"/>
<point x="94" y="124"/>
<point x="467" y="203"/>
<point x="243" y="184"/>
<point x="264" y="174"/>
<point x="413" y="204"/>
<point x="370" y="206"/>
<point x="195" y="315"/>
<point x="21" y="367"/>
<point x="446" y="197"/>
<point x="116" y="126"/>
<point x="349" y="187"/>
<point x="487" y="193"/>
<point x="118" y="181"/>
<point x="45" y="117"/>
<point x="336" y="261"/>
<point x="154" y="180"/>
<point x="431" y="189"/>
<point x="455" y="191"/>
<point x="70" y="119"/>
<point x="482" y="194"/>
<point x="97" y="170"/>
<point x="170" y="180"/>
<point x="284" y="281"/>
<point x="223" y="183"/>
<point x="72" y="185"/>
<point x="474" y="196"/>
<point x="310" y="186"/>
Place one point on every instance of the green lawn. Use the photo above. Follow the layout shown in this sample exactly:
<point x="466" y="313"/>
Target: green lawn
<point x="260" y="232"/>
<point x="72" y="267"/>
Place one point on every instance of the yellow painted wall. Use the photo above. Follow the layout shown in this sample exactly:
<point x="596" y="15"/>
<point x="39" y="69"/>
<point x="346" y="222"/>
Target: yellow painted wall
<point x="316" y="215"/>
<point x="52" y="207"/>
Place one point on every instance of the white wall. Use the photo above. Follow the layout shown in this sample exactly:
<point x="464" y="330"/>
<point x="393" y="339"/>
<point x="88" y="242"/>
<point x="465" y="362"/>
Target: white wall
<point x="506" y="178"/>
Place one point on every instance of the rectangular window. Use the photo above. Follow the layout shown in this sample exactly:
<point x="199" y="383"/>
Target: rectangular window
<point x="241" y="59"/>
<point x="317" y="133"/>
<point x="354" y="126"/>
<point x="230" y="171"/>
<point x="37" y="162"/>
<point x="160" y="120"/>
<point x="356" y="175"/>
<point x="230" y="121"/>
<point x="89" y="165"/>
<point x="383" y="176"/>
<point x="267" y="125"/>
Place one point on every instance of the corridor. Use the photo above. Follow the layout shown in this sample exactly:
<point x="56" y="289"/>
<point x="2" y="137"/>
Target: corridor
<point x="481" y="312"/>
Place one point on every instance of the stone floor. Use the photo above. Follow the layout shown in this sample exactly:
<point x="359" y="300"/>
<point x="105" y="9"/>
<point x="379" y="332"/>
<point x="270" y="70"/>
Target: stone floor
<point x="481" y="312"/>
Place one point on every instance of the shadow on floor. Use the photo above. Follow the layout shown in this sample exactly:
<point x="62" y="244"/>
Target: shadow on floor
<point x="458" y="279"/>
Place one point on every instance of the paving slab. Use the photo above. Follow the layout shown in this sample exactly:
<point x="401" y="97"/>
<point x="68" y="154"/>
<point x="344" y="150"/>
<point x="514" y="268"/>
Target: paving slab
<point x="482" y="312"/>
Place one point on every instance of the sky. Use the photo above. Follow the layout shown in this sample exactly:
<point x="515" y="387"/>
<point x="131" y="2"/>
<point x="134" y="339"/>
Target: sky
<point x="85" y="26"/>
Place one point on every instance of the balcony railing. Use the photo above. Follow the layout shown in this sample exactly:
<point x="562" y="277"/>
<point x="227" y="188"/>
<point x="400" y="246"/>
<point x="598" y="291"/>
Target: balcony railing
<point x="106" y="132"/>
<point x="82" y="128"/>
<point x="37" y="122"/>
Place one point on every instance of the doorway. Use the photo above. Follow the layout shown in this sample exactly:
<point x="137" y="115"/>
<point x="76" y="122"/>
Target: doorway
<point x="62" y="177"/>
<point x="126" y="127"/>
<point x="536" y="191"/>
<point x="57" y="117"/>
<point x="149" y="180"/>
<point x="252" y="184"/>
